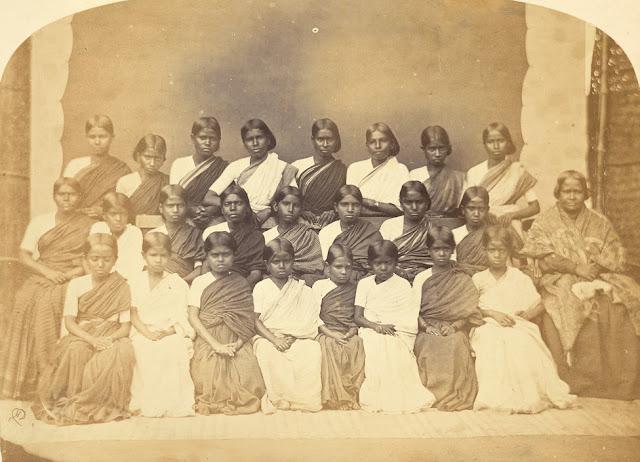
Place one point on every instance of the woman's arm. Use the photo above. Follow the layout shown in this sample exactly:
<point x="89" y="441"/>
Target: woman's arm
<point x="194" y="320"/>
<point x="142" y="327"/>
<point x="123" y="331"/>
<point x="340" y="338"/>
<point x="281" y="344"/>
<point x="99" y="343"/>
<point x="360" y="320"/>
<point x="383" y="208"/>
<point x="197" y="271"/>
<point x="254" y="277"/>
<point x="527" y="211"/>
<point x="501" y="318"/>
<point x="26" y="258"/>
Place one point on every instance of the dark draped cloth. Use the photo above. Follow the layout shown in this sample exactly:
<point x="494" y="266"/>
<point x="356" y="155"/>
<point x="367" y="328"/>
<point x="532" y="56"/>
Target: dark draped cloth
<point x="342" y="368"/>
<point x="445" y="189"/>
<point x="413" y="254"/>
<point x="98" y="179"/>
<point x="445" y="363"/>
<point x="358" y="238"/>
<point x="250" y="243"/>
<point x="145" y="200"/>
<point x="29" y="337"/>
<point x="319" y="184"/>
<point x="197" y="182"/>
<point x="187" y="247"/>
<point x="306" y="245"/>
<point x="227" y="385"/>
<point x="85" y="385"/>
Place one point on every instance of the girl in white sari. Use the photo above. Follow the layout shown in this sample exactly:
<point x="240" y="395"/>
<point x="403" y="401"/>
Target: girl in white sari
<point x="515" y="369"/>
<point x="287" y="321"/>
<point x="387" y="314"/>
<point x="162" y="336"/>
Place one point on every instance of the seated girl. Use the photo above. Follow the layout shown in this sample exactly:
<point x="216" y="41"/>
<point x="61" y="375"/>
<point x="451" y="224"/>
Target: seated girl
<point x="287" y="321"/>
<point x="224" y="368"/>
<point x="90" y="378"/>
<point x="306" y="245"/>
<point x="116" y="212"/>
<point x="342" y="350"/>
<point x="350" y="230"/>
<point x="143" y="187"/>
<point x="448" y="308"/>
<point x="187" y="249"/>
<point x="515" y="369"/>
<point x="240" y="223"/>
<point x="161" y="340"/>
<point x="409" y="231"/>
<point x="388" y="318"/>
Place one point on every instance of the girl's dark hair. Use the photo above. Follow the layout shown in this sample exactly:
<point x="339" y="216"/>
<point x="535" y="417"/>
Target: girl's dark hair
<point x="327" y="124"/>
<point x="205" y="122"/>
<point x="498" y="233"/>
<point x="417" y="186"/>
<point x="382" y="249"/>
<point x="347" y="190"/>
<point x="67" y="181"/>
<point x="172" y="190"/>
<point x="150" y="142"/>
<point x="339" y="250"/>
<point x="473" y="192"/>
<point x="574" y="175"/>
<point x="114" y="200"/>
<point x="279" y="244"/>
<point x="99" y="121"/>
<point x="504" y="131"/>
<point x="435" y="133"/>
<point x="101" y="238"/>
<point x="384" y="128"/>
<point x="287" y="191"/>
<point x="260" y="125"/>
<point x="440" y="233"/>
<point x="220" y="238"/>
<point x="154" y="240"/>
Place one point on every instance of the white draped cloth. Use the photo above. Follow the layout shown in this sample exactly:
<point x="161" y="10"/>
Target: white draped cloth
<point x="162" y="385"/>
<point x="392" y="382"/>
<point x="516" y="372"/>
<point x="130" y="261"/>
<point x="381" y="183"/>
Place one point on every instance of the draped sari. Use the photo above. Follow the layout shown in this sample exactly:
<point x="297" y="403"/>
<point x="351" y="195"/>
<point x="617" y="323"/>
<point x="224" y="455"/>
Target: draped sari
<point x="306" y="246"/>
<point x="263" y="179"/>
<point x="319" y="184"/>
<point x="506" y="183"/>
<point x="413" y="254"/>
<point x="196" y="183"/>
<point x="187" y="247"/>
<point x="358" y="238"/>
<point x="28" y="339"/>
<point x="98" y="179"/>
<point x="145" y="200"/>
<point x="445" y="189"/>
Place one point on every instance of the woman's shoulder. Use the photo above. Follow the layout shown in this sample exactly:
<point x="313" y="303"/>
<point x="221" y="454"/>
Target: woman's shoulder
<point x="399" y="282"/>
<point x="79" y="285"/>
<point x="419" y="174"/>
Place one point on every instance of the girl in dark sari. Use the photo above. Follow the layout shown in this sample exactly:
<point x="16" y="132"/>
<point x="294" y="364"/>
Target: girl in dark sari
<point x="224" y="369"/>
<point x="448" y="309"/>
<point x="99" y="172"/>
<point x="342" y="350"/>
<point x="350" y="229"/>
<point x="52" y="251"/>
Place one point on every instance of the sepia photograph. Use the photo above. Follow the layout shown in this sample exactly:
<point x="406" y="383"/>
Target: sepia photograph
<point x="294" y="230"/>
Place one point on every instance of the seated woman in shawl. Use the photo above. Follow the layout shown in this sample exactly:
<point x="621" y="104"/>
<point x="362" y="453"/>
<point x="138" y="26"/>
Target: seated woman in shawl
<point x="89" y="380"/>
<point x="247" y="260"/>
<point x="380" y="177"/>
<point x="306" y="245"/>
<point x="161" y="339"/>
<point x="515" y="369"/>
<point x="187" y="248"/>
<point x="262" y="174"/>
<point x="388" y="318"/>
<point x="342" y="349"/>
<point x="350" y="230"/>
<point x="321" y="175"/>
<point x="409" y="231"/>
<point x="287" y="321"/>
<point x="99" y="172"/>
<point x="444" y="184"/>
<point x="592" y="309"/>
<point x="116" y="212"/>
<point x="197" y="172"/>
<point x="448" y="309"/>
<point x="143" y="187"/>
<point x="51" y="251"/>
<point x="504" y="177"/>
<point x="224" y="368"/>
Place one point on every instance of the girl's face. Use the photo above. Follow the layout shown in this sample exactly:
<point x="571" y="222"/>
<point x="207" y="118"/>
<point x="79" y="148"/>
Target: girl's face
<point x="348" y="209"/>
<point x="496" y="145"/>
<point x="66" y="198"/>
<point x="150" y="161"/>
<point x="173" y="210"/>
<point x="571" y="195"/>
<point x="117" y="219"/>
<point x="379" y="146"/>
<point x="220" y="259"/>
<point x="498" y="254"/>
<point x="234" y="208"/>
<point x="289" y="209"/>
<point x="436" y="153"/>
<point x="414" y="205"/>
<point x="325" y="142"/>
<point x="475" y="211"/>
<point x="339" y="271"/>
<point x="383" y="267"/>
<point x="280" y="266"/>
<point x="256" y="143"/>
<point x="206" y="142"/>
<point x="100" y="141"/>
<point x="100" y="259"/>
<point x="156" y="259"/>
<point x="440" y="253"/>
